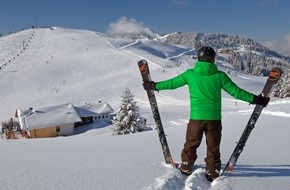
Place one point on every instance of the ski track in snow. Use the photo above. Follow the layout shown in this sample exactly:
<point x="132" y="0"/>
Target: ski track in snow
<point x="272" y="113"/>
<point x="277" y="113"/>
<point x="179" y="122"/>
<point x="265" y="111"/>
<point x="174" y="180"/>
<point x="280" y="101"/>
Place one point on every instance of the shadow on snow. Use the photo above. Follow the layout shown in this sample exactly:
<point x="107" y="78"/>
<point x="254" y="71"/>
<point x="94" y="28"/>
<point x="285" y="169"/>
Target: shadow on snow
<point x="260" y="171"/>
<point x="91" y="126"/>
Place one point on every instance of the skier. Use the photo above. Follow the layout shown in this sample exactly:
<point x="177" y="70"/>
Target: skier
<point x="205" y="83"/>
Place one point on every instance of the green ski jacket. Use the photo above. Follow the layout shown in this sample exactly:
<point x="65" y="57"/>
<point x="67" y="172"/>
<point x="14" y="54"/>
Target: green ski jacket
<point x="205" y="83"/>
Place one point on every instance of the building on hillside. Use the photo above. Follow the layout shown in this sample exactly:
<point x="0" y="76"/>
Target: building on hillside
<point x="225" y="51"/>
<point x="49" y="121"/>
<point x="90" y="113"/>
<point x="61" y="120"/>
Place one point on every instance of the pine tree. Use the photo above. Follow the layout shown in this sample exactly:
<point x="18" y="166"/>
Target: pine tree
<point x="282" y="89"/>
<point x="128" y="119"/>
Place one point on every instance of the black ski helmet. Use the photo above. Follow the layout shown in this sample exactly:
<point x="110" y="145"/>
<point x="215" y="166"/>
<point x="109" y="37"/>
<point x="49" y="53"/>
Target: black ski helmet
<point x="206" y="53"/>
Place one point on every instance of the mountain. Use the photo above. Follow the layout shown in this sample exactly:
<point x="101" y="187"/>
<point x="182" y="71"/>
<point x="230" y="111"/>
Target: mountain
<point x="238" y="48"/>
<point x="61" y="65"/>
<point x="220" y="42"/>
<point x="242" y="53"/>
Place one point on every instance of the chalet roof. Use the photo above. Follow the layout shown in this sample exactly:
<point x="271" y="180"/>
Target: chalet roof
<point x="48" y="116"/>
<point x="88" y="110"/>
<point x="60" y="114"/>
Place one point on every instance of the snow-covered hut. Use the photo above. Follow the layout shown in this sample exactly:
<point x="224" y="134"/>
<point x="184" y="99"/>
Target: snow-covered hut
<point x="94" y="112"/>
<point x="49" y="121"/>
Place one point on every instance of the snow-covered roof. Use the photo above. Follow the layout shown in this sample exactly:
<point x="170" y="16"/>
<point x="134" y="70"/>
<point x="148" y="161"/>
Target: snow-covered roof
<point x="60" y="114"/>
<point x="88" y="110"/>
<point x="48" y="116"/>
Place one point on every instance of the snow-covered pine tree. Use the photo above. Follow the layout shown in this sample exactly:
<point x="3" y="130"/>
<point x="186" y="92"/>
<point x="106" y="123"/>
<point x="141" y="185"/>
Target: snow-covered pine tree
<point x="128" y="119"/>
<point x="282" y="89"/>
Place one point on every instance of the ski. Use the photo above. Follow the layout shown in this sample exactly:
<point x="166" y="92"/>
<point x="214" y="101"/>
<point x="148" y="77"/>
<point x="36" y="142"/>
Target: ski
<point x="273" y="78"/>
<point x="144" y="70"/>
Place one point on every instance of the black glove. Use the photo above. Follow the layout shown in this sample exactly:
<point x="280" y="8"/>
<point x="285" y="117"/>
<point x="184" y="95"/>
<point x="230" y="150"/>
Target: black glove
<point x="149" y="85"/>
<point x="261" y="100"/>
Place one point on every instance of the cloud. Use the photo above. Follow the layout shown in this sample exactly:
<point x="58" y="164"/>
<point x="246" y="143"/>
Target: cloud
<point x="280" y="45"/>
<point x="124" y="24"/>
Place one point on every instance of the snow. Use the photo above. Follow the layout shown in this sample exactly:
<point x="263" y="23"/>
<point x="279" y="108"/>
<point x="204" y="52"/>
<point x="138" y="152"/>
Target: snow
<point x="78" y="66"/>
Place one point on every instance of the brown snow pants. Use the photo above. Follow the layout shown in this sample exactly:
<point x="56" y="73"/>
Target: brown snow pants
<point x="194" y="134"/>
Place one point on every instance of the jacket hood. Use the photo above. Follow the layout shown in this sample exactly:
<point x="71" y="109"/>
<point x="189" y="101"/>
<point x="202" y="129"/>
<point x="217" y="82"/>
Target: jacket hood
<point x="205" y="68"/>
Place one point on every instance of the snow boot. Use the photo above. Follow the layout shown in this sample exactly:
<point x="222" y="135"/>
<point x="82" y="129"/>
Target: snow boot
<point x="208" y="177"/>
<point x="186" y="172"/>
<point x="185" y="169"/>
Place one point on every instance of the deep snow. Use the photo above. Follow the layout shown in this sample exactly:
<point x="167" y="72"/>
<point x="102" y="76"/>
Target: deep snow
<point x="78" y="66"/>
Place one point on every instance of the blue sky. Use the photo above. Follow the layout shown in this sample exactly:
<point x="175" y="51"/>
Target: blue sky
<point x="265" y="21"/>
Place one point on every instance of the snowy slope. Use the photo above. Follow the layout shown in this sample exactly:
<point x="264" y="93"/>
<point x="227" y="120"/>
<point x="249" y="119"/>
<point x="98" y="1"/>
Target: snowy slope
<point x="66" y="66"/>
<point x="78" y="66"/>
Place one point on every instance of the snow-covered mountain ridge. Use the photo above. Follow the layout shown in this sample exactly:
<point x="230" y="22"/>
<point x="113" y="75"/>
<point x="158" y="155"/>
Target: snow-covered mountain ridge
<point x="244" y="54"/>
<point x="48" y="66"/>
<point x="221" y="41"/>
<point x="67" y="62"/>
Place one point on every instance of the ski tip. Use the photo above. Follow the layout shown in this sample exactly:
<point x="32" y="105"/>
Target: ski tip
<point x="142" y="61"/>
<point x="143" y="67"/>
<point x="275" y="74"/>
